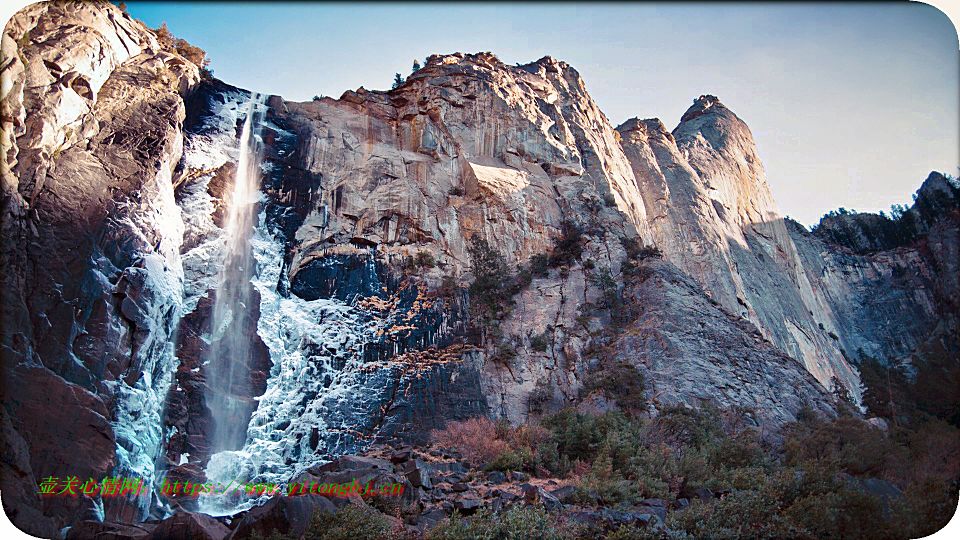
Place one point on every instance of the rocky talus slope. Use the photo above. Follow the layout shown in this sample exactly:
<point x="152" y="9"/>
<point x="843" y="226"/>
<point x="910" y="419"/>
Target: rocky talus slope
<point x="118" y="164"/>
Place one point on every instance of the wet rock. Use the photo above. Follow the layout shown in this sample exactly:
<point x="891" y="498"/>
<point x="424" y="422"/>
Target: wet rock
<point x="189" y="526"/>
<point x="289" y="515"/>
<point x="110" y="530"/>
<point x="358" y="463"/>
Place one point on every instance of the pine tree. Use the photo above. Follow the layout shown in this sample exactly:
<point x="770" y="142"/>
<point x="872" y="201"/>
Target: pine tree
<point x="397" y="81"/>
<point x="416" y="65"/>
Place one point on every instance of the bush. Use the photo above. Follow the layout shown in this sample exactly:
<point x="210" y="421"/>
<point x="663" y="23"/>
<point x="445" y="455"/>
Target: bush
<point x="425" y="259"/>
<point x="476" y="438"/>
<point x="515" y="523"/>
<point x="512" y="460"/>
<point x="637" y="252"/>
<point x="490" y="288"/>
<point x="840" y="514"/>
<point x="351" y="522"/>
<point x="568" y="246"/>
<point x="855" y="446"/>
<point x="456" y="191"/>
<point x="504" y="355"/>
<point x="540" y="342"/>
<point x="740" y="515"/>
<point x="623" y="383"/>
<point x="540" y="265"/>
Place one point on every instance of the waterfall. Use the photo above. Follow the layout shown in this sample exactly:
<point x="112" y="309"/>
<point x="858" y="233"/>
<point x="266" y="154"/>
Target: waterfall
<point x="229" y="356"/>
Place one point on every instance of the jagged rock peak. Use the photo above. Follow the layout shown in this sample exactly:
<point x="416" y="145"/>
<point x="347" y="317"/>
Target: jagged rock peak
<point x="636" y="129"/>
<point x="702" y="105"/>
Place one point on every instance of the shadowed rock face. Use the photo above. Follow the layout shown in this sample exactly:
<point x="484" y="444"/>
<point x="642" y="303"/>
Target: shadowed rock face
<point x="116" y="182"/>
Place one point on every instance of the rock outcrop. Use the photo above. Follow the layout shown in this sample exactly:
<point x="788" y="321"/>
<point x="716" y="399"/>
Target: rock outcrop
<point x="92" y="286"/>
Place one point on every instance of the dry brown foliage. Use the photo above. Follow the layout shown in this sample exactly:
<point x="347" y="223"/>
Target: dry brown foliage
<point x="476" y="438"/>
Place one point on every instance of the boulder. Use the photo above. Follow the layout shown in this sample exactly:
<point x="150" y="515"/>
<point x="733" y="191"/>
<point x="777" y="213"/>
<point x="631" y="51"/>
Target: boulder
<point x="110" y="531"/>
<point x="189" y="526"/>
<point x="496" y="477"/>
<point x="357" y="463"/>
<point x="565" y="493"/>
<point x="289" y="515"/>
<point x="467" y="506"/>
<point x="418" y="473"/>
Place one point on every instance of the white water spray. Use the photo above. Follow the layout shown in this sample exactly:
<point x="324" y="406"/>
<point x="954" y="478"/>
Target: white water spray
<point x="229" y="355"/>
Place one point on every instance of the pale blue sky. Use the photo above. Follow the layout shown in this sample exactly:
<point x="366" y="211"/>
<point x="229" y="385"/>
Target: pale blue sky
<point x="851" y="105"/>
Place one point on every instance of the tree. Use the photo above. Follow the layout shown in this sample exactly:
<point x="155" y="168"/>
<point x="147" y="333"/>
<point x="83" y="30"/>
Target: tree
<point x="416" y="65"/>
<point x="491" y="294"/>
<point x="397" y="81"/>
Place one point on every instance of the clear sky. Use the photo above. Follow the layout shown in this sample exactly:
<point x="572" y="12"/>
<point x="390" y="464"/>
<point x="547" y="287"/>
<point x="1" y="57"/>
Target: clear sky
<point x="851" y="105"/>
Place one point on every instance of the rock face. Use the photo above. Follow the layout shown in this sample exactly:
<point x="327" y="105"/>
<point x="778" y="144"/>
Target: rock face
<point x="92" y="285"/>
<point x="118" y="167"/>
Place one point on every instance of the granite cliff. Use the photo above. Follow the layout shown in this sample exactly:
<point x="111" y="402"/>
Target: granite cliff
<point x="118" y="165"/>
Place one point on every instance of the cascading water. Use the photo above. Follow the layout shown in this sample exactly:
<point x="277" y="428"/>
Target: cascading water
<point x="229" y="355"/>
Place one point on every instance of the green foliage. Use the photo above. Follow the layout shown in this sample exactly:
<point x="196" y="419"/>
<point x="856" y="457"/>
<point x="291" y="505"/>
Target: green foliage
<point x="504" y="355"/>
<point x="512" y="460"/>
<point x="839" y="514"/>
<point x="540" y="342"/>
<point x="424" y="259"/>
<point x="747" y="515"/>
<point x="448" y="287"/>
<point x="851" y="444"/>
<point x="637" y="252"/>
<point x="416" y="66"/>
<point x="567" y="247"/>
<point x="622" y="383"/>
<point x="397" y="80"/>
<point x="351" y="522"/>
<point x="516" y="523"/>
<point x="490" y="291"/>
<point x="540" y="265"/>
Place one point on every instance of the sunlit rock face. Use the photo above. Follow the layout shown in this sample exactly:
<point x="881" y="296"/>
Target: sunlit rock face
<point x="712" y="213"/>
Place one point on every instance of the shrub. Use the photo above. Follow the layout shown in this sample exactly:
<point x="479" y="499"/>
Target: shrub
<point x="840" y="514"/>
<point x="504" y="355"/>
<point x="515" y="523"/>
<point x="740" y="515"/>
<point x="540" y="342"/>
<point x="637" y="252"/>
<point x="490" y="288"/>
<point x="425" y="259"/>
<point x="456" y="191"/>
<point x="853" y="445"/>
<point x="568" y="246"/>
<point x="540" y="265"/>
<point x="351" y="522"/>
<point x="623" y="383"/>
<point x="476" y="438"/>
<point x="510" y="460"/>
